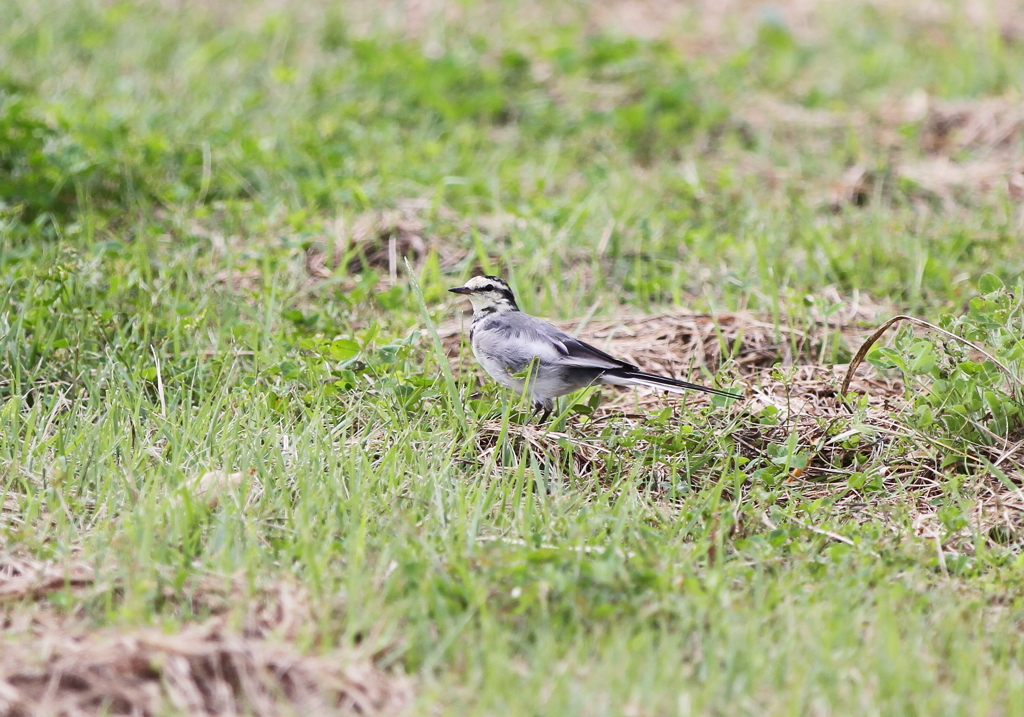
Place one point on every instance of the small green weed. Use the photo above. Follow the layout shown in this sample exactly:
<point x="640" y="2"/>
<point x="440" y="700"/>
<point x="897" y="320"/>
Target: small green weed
<point x="957" y="392"/>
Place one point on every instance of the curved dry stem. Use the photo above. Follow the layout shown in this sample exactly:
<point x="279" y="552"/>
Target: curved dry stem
<point x="870" y="341"/>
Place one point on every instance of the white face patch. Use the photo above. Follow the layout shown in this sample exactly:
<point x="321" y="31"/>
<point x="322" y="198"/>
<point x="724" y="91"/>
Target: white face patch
<point x="484" y="284"/>
<point x="489" y="295"/>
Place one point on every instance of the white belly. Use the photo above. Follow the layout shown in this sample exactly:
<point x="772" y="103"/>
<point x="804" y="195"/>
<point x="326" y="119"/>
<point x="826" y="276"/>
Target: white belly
<point x="498" y="371"/>
<point x="546" y="382"/>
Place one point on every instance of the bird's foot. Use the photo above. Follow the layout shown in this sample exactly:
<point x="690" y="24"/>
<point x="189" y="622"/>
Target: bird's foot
<point x="537" y="409"/>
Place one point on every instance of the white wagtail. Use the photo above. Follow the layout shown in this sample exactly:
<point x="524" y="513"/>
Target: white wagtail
<point x="506" y="341"/>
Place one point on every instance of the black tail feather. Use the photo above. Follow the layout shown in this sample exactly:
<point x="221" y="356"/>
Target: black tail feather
<point x="655" y="380"/>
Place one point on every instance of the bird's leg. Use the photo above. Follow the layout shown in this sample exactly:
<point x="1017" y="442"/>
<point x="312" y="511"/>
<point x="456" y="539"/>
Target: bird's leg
<point x="537" y="408"/>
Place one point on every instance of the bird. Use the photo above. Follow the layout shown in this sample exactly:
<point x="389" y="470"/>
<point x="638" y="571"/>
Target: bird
<point x="514" y="347"/>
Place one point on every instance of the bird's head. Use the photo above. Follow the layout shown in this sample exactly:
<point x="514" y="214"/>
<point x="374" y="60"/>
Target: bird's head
<point x="489" y="294"/>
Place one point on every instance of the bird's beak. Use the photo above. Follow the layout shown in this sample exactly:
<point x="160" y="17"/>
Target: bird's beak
<point x="461" y="290"/>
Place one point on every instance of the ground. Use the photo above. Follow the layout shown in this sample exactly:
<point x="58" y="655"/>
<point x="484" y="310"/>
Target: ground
<point x="249" y="463"/>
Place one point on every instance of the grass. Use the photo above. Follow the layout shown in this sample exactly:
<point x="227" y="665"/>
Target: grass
<point x="171" y="179"/>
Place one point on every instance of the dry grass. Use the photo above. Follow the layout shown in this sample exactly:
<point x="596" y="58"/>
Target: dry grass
<point x="579" y="454"/>
<point x="202" y="670"/>
<point x="961" y="151"/>
<point x="385" y="240"/>
<point x="988" y="132"/>
<point x="22" y="578"/>
<point x="53" y="665"/>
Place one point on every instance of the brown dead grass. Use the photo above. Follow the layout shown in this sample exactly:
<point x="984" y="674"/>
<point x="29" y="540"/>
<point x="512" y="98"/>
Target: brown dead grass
<point x="202" y="670"/>
<point x="973" y="146"/>
<point x="578" y="454"/>
<point x="52" y="664"/>
<point x="385" y="240"/>
<point x="961" y="151"/>
<point x="742" y="341"/>
<point x="22" y="578"/>
<point x="199" y="671"/>
<point x="347" y="247"/>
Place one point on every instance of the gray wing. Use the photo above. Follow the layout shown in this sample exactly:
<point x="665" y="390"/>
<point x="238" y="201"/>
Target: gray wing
<point x="535" y="337"/>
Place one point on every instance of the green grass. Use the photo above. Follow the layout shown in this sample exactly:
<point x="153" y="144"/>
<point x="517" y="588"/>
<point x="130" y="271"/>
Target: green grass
<point x="164" y="172"/>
